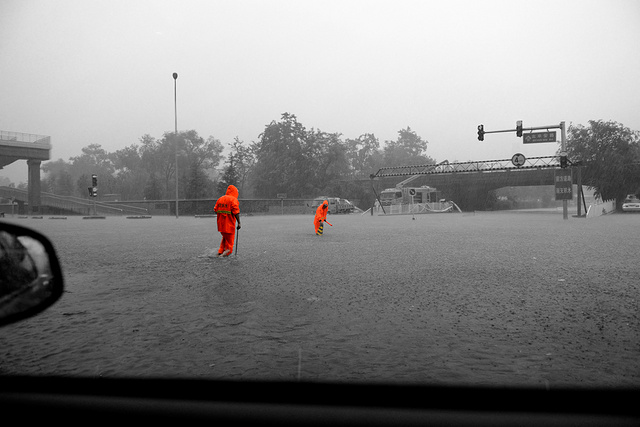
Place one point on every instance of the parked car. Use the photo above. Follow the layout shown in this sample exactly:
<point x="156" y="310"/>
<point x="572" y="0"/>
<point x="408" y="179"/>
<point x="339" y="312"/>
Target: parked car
<point x="631" y="204"/>
<point x="336" y="204"/>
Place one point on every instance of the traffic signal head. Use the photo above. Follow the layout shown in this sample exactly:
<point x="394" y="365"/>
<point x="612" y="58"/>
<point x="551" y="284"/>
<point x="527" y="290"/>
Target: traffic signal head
<point x="519" y="128"/>
<point x="563" y="162"/>
<point x="94" y="180"/>
<point x="480" y="132"/>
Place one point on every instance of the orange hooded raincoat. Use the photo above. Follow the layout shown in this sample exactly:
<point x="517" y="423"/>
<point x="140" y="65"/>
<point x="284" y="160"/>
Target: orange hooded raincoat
<point x="227" y="211"/>
<point x="321" y="215"/>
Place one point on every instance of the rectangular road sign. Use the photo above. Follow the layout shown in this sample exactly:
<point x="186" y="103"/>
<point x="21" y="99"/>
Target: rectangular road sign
<point x="563" y="184"/>
<point x="537" y="137"/>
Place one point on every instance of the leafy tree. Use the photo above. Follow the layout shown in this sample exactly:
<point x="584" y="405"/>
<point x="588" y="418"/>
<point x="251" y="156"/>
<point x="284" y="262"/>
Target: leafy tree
<point x="153" y="189"/>
<point x="83" y="183"/>
<point x="243" y="162"/>
<point x="199" y="157"/>
<point x="408" y="149"/>
<point x="280" y="164"/>
<point x="64" y="184"/>
<point x="162" y="154"/>
<point x="154" y="164"/>
<point x="130" y="177"/>
<point x="231" y="175"/>
<point x="57" y="178"/>
<point x="364" y="155"/>
<point x="301" y="163"/>
<point x="413" y="144"/>
<point x="610" y="153"/>
<point x="198" y="184"/>
<point x="328" y="161"/>
<point x="93" y="160"/>
<point x="195" y="157"/>
<point x="140" y="171"/>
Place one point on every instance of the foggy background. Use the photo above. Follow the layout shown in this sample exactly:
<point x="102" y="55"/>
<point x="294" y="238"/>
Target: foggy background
<point x="100" y="72"/>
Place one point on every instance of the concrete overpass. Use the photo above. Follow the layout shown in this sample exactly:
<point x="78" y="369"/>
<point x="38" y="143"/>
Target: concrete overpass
<point x="32" y="148"/>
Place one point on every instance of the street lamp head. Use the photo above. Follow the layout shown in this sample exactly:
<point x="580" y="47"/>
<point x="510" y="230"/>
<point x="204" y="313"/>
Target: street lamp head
<point x="175" y="76"/>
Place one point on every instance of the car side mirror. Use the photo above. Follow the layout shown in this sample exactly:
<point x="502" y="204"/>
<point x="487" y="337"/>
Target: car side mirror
<point x="30" y="274"/>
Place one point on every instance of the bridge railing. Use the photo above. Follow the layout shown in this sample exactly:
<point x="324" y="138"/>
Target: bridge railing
<point x="24" y="137"/>
<point x="474" y="166"/>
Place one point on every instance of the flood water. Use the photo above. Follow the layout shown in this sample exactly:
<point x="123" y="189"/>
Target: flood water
<point x="482" y="299"/>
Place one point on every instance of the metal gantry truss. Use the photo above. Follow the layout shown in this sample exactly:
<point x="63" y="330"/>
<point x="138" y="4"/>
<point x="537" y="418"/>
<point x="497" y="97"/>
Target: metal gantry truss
<point x="466" y="167"/>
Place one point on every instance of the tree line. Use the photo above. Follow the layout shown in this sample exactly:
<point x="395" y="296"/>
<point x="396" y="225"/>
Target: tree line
<point x="609" y="154"/>
<point x="286" y="158"/>
<point x="305" y="163"/>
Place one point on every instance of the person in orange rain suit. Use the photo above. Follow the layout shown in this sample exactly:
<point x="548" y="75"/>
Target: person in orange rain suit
<point x="227" y="211"/>
<point x="321" y="215"/>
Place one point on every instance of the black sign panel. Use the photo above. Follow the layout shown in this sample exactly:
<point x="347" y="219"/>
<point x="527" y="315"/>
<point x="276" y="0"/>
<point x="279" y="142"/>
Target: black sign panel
<point x="564" y="184"/>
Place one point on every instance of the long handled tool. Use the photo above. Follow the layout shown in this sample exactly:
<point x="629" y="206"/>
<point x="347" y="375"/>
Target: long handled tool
<point x="237" y="238"/>
<point x="328" y="222"/>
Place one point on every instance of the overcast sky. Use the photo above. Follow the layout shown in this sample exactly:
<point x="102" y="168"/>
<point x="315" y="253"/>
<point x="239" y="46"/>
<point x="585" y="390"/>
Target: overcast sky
<point x="100" y="72"/>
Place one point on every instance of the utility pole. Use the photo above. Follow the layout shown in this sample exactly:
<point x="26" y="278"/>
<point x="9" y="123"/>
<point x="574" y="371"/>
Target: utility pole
<point x="175" y="135"/>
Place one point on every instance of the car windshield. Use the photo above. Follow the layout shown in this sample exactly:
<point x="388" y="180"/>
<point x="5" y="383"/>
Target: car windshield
<point x="176" y="155"/>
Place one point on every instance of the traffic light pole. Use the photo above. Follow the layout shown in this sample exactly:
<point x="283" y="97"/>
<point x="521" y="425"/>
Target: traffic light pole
<point x="560" y="126"/>
<point x="519" y="129"/>
<point x="94" y="192"/>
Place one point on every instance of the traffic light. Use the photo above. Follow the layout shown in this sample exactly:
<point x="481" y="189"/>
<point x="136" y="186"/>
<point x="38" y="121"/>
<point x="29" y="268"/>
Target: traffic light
<point x="564" y="162"/>
<point x="519" y="128"/>
<point x="95" y="191"/>
<point x="94" y="180"/>
<point x="90" y="191"/>
<point x="480" y="132"/>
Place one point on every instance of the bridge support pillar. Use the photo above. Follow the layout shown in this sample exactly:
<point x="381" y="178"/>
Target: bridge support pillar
<point x="34" y="186"/>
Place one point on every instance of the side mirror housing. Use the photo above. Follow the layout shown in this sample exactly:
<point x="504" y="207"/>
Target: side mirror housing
<point x="30" y="274"/>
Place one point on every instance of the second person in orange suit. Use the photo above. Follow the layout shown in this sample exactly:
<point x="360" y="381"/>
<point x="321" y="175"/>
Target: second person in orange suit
<point x="321" y="216"/>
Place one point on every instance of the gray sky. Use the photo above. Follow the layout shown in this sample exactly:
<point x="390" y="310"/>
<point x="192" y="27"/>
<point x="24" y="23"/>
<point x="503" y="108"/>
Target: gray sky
<point x="87" y="71"/>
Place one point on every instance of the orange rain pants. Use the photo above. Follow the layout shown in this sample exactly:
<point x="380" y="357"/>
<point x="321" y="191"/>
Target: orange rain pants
<point x="227" y="242"/>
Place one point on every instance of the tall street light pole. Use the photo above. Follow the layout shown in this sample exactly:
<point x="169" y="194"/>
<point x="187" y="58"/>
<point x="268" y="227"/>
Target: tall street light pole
<point x="175" y="104"/>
